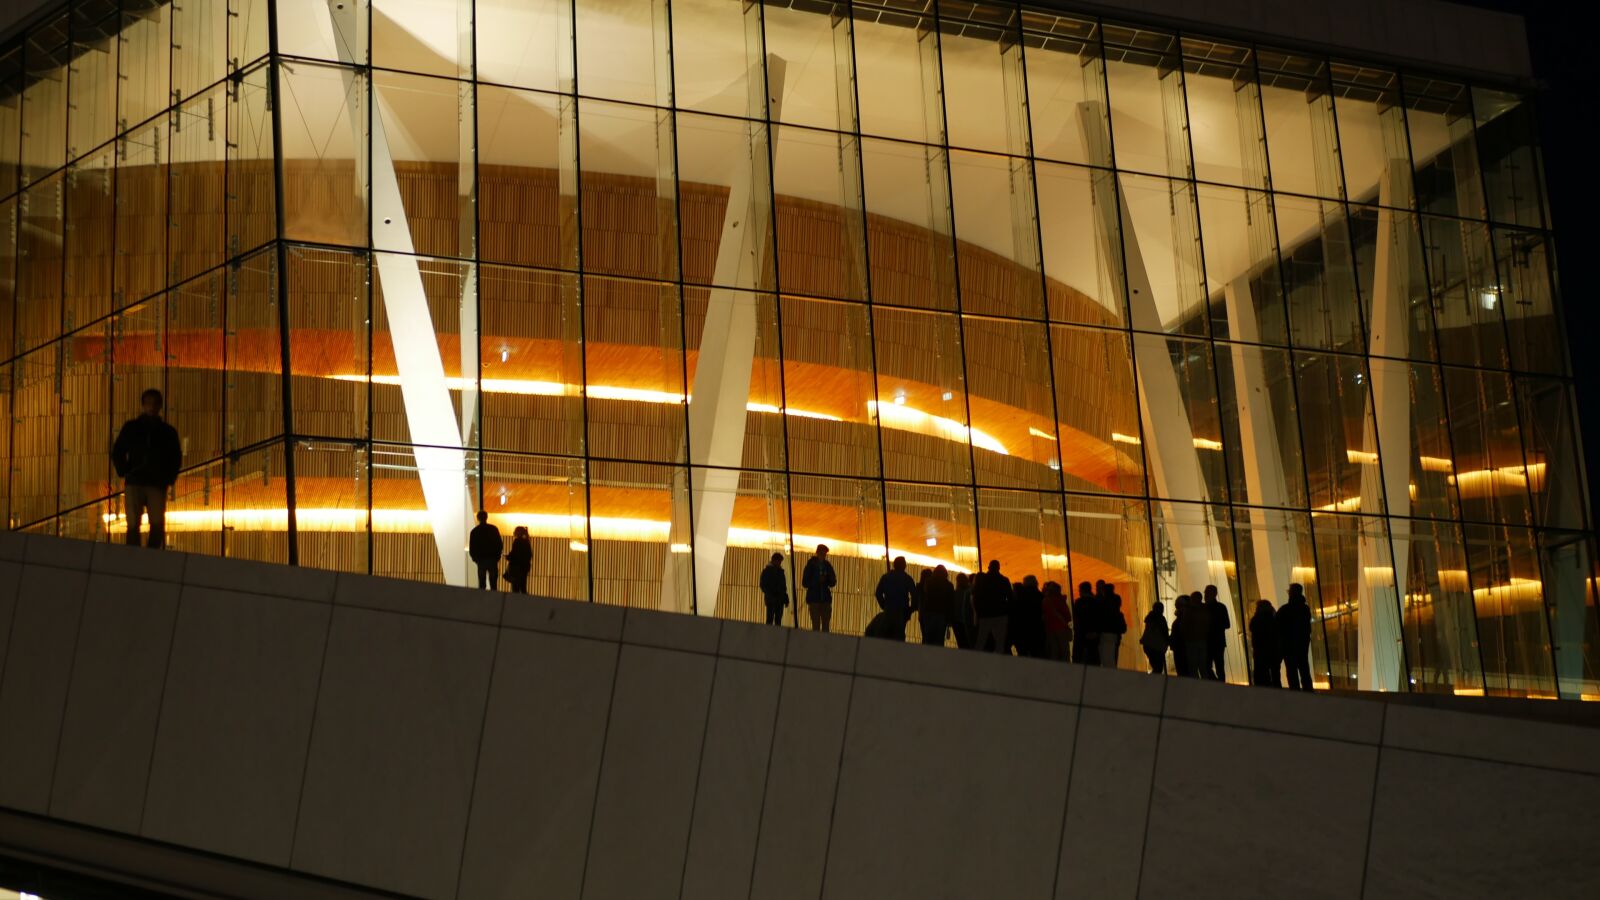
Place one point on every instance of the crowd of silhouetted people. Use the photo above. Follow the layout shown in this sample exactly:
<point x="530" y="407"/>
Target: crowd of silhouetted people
<point x="989" y="612"/>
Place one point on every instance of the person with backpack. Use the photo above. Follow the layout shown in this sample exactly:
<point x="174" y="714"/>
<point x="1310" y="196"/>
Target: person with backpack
<point x="774" y="589"/>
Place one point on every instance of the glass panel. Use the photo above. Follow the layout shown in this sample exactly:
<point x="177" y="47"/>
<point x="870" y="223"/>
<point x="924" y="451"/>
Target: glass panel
<point x="1550" y="439"/>
<point x="1194" y="551"/>
<point x="8" y="275"/>
<point x="820" y="92"/>
<point x="91" y="210"/>
<point x="253" y="389"/>
<point x="138" y="357"/>
<point x="255" y="514"/>
<point x="1356" y="578"/>
<point x="633" y="346"/>
<point x="1489" y="467"/>
<point x="1081" y="245"/>
<point x="723" y="328"/>
<point x="629" y="190"/>
<point x="331" y="520"/>
<point x="733" y="560"/>
<point x="1184" y="439"/>
<point x="196" y="226"/>
<point x="1527" y="299"/>
<point x="92" y="81"/>
<point x="1065" y="71"/>
<point x="897" y="71"/>
<point x="310" y="28"/>
<point x="1275" y="550"/>
<point x="829" y="387"/>
<point x="1336" y="419"/>
<point x="719" y="61"/>
<point x="39" y="249"/>
<point x="1418" y="400"/>
<point x="1096" y="403"/>
<point x="526" y="43"/>
<point x="984" y="94"/>
<point x="1013" y="413"/>
<point x="1110" y="541"/>
<point x="1466" y="295"/>
<point x="444" y="286"/>
<point x="7" y="417"/>
<point x="11" y="81"/>
<point x="433" y="38"/>
<point x="531" y="339"/>
<point x="85" y="421"/>
<point x="1166" y="277"/>
<point x="547" y="496"/>
<point x="194" y="511"/>
<point x="908" y="225"/>
<point x="44" y="100"/>
<point x="141" y="245"/>
<point x="932" y="525"/>
<point x="527" y="178"/>
<point x="144" y="58"/>
<point x="1297" y="103"/>
<point x="329" y="342"/>
<point x="251" y="199"/>
<point x="847" y="515"/>
<point x="1510" y="153"/>
<point x="921" y="405"/>
<point x="1513" y="633"/>
<point x="639" y="539"/>
<point x="822" y="248"/>
<point x="1372" y="135"/>
<point x="1243" y="281"/>
<point x="1224" y="101"/>
<point x="1441" y="627"/>
<point x="248" y="25"/>
<point x="998" y="235"/>
<point x="1394" y="285"/>
<point x="194" y="348"/>
<point x="1260" y="428"/>
<point x="1567" y="566"/>
<point x="35" y="435"/>
<point x="725" y="186"/>
<point x="325" y="154"/>
<point x="1319" y="274"/>
<point x="1149" y="123"/>
<point x="1025" y="531"/>
<point x="199" y="47"/>
<point x="1439" y="119"/>
<point x="625" y="51"/>
<point x="432" y="166"/>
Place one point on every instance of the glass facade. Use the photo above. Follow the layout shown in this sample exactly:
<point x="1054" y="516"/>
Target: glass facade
<point x="677" y="285"/>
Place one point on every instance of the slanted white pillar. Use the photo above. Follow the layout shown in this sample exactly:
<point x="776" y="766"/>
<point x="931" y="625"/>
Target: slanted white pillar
<point x="441" y="468"/>
<point x="720" y="395"/>
<point x="1172" y="460"/>
<point x="1274" y="548"/>
<point x="1387" y="427"/>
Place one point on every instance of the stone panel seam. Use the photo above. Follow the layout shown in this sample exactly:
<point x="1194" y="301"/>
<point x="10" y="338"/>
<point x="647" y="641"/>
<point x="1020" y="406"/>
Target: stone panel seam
<point x="1150" y="793"/>
<point x="477" y="759"/>
<point x="66" y="697"/>
<point x="1066" y="801"/>
<point x="838" y="775"/>
<point x="1372" y="806"/>
<point x="766" y="780"/>
<point x="161" y="699"/>
<point x="700" y="767"/>
<point x="311" y="734"/>
<point x="600" y="771"/>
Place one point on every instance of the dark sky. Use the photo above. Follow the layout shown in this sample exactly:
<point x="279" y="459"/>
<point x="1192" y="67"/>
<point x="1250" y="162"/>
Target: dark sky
<point x="1562" y="44"/>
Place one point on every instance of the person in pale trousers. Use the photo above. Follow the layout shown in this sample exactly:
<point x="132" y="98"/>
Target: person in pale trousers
<point x="147" y="456"/>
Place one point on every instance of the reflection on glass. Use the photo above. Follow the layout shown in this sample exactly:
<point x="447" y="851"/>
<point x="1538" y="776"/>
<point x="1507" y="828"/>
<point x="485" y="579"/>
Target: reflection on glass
<point x="1443" y="149"/>
<point x="1297" y="106"/>
<point x="1149" y="120"/>
<point x="1224" y="112"/>
<point x="1065" y="72"/>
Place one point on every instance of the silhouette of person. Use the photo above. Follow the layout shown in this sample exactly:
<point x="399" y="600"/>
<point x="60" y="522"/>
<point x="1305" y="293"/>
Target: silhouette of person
<point x="484" y="545"/>
<point x="991" y="600"/>
<point x="774" y="589"/>
<point x="519" y="562"/>
<point x="1085" y="611"/>
<point x="147" y="456"/>
<point x="818" y="581"/>
<point x="936" y="605"/>
<point x="1113" y="625"/>
<point x="1264" y="646"/>
<point x="1217" y="624"/>
<point x="894" y="593"/>
<point x="1057" y="623"/>
<point x="1294" y="638"/>
<point x="1025" y="618"/>
<point x="1154" y="639"/>
<point x="963" y="622"/>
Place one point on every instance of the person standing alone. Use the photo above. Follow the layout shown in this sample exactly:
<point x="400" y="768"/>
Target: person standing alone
<point x="147" y="455"/>
<point x="818" y="581"/>
<point x="484" y="545"/>
<point x="774" y="589"/>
